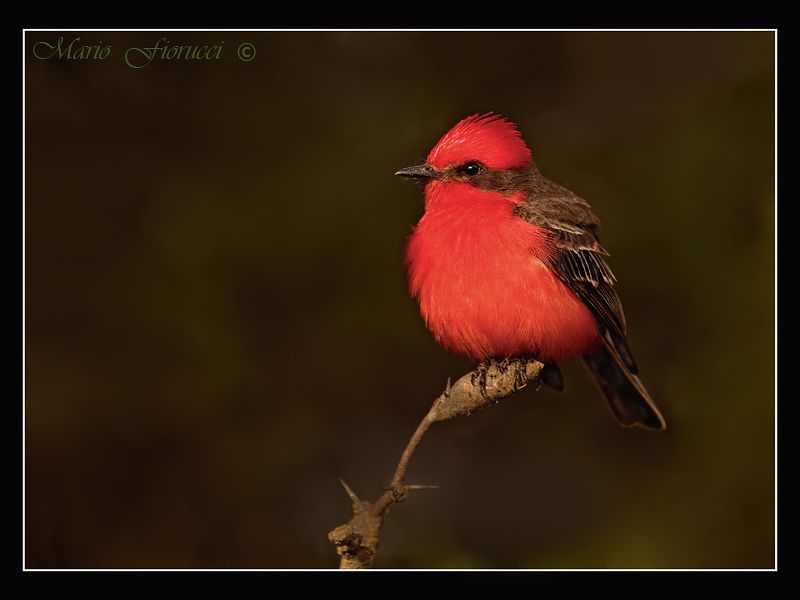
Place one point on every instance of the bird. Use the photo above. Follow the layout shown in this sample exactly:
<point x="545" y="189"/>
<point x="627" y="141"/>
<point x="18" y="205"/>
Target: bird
<point x="506" y="264"/>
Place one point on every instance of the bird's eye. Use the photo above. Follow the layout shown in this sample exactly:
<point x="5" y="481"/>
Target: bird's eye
<point x="470" y="169"/>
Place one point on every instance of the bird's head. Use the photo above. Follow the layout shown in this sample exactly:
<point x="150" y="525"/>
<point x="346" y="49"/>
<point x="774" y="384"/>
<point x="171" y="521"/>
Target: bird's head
<point x="474" y="151"/>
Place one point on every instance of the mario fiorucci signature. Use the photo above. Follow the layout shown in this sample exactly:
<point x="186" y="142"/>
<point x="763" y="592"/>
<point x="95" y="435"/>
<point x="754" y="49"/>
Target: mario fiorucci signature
<point x="134" y="57"/>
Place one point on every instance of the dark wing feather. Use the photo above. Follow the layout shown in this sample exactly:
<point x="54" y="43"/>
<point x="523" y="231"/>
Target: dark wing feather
<point x="579" y="262"/>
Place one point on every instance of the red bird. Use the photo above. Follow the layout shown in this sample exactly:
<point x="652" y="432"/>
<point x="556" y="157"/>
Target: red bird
<point x="506" y="264"/>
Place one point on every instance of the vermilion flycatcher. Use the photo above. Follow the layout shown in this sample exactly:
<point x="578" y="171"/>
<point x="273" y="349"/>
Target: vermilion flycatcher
<point x="507" y="264"/>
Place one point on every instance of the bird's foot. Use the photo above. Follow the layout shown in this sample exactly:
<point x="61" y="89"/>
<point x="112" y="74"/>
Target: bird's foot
<point x="491" y="367"/>
<point x="520" y="373"/>
<point x="480" y="374"/>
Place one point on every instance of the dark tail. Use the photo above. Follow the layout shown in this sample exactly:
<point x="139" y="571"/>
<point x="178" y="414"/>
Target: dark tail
<point x="629" y="401"/>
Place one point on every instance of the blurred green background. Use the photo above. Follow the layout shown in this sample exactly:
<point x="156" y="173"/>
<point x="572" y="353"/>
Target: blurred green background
<point x="218" y="326"/>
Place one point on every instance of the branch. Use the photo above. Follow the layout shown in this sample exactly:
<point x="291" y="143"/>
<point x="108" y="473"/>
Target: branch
<point x="357" y="540"/>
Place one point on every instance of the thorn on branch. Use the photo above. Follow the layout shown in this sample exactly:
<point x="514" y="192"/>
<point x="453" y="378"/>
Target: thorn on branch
<point x="412" y="488"/>
<point x="351" y="493"/>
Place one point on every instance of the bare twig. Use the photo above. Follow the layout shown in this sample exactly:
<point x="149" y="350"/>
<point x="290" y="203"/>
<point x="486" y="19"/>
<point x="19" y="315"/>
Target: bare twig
<point x="357" y="540"/>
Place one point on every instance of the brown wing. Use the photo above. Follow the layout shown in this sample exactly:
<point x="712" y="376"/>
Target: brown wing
<point x="579" y="262"/>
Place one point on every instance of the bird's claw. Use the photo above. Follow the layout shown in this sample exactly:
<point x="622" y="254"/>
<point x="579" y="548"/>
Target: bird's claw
<point x="481" y="375"/>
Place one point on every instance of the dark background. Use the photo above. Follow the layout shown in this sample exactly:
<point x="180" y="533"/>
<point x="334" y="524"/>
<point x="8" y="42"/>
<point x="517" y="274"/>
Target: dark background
<point x="218" y="327"/>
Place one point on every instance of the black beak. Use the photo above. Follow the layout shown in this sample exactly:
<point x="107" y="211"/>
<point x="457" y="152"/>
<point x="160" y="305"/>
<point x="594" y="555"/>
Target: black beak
<point x="418" y="172"/>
